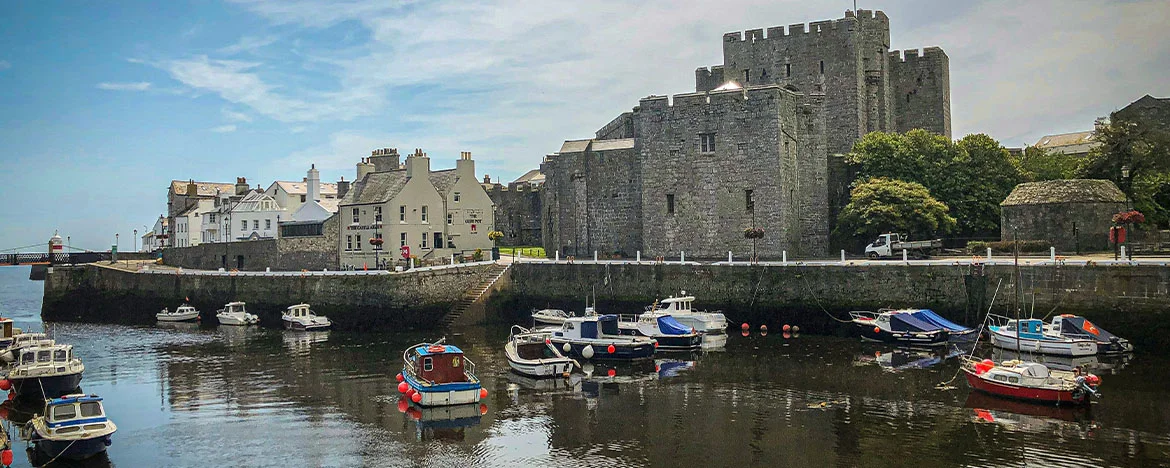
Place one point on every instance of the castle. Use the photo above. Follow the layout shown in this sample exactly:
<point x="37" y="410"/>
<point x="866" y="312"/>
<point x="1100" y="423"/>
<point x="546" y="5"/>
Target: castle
<point x="756" y="146"/>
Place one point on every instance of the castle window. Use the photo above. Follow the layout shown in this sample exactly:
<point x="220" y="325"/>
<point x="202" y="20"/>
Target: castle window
<point x="907" y="97"/>
<point x="763" y="74"/>
<point x="787" y="70"/>
<point x="747" y="76"/>
<point x="749" y="204"/>
<point x="822" y="67"/>
<point x="674" y="153"/>
<point x="707" y="142"/>
<point x="741" y="148"/>
<point x="670" y="203"/>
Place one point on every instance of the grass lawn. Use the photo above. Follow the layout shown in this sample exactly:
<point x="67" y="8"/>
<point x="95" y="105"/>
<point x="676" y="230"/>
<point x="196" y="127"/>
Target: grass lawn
<point x="535" y="252"/>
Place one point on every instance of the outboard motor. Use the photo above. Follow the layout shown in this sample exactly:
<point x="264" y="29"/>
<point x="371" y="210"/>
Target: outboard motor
<point x="1089" y="383"/>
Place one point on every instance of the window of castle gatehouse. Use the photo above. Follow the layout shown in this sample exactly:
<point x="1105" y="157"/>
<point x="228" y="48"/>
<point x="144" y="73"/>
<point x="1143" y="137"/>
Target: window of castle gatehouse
<point x="749" y="203"/>
<point x="763" y="74"/>
<point x="741" y="148"/>
<point x="788" y="70"/>
<point x="707" y="142"/>
<point x="747" y="76"/>
<point x="670" y="203"/>
<point x="822" y="67"/>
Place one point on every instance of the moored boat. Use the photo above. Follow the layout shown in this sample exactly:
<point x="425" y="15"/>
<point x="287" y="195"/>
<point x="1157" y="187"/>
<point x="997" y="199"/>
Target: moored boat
<point x="183" y="313"/>
<point x="1028" y="336"/>
<point x="19" y="342"/>
<point x="670" y="334"/>
<point x="438" y="374"/>
<point x="598" y="337"/>
<point x="301" y="317"/>
<point x="44" y="370"/>
<point x="1077" y="327"/>
<point x="681" y="308"/>
<point x="532" y="353"/>
<point x="1030" y="381"/>
<point x="549" y="316"/>
<point x="954" y="330"/>
<point x="72" y="427"/>
<point x="898" y="328"/>
<point x="235" y="313"/>
<point x="8" y="332"/>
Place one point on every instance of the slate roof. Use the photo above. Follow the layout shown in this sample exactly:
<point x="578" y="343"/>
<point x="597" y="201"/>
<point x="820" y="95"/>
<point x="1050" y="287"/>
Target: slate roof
<point x="533" y="177"/>
<point x="1065" y="191"/>
<point x="1067" y="143"/>
<point x="577" y="146"/>
<point x="574" y="146"/>
<point x="302" y="188"/>
<point x="443" y="180"/>
<point x="205" y="189"/>
<point x="377" y="187"/>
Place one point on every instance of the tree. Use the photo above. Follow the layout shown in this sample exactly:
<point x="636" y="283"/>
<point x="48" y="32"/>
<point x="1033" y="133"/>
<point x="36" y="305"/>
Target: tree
<point x="1137" y="147"/>
<point x="971" y="176"/>
<point x="879" y="205"/>
<point x="1036" y="164"/>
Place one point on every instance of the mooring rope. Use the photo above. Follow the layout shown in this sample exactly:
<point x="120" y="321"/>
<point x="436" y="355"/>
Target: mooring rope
<point x="978" y="336"/>
<point x="808" y="287"/>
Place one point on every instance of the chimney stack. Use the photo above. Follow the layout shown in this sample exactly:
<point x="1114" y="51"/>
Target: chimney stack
<point x="192" y="189"/>
<point x="418" y="164"/>
<point x="384" y="159"/>
<point x="241" y="185"/>
<point x="364" y="167"/>
<point x="314" y="182"/>
<point x="342" y="188"/>
<point x="465" y="167"/>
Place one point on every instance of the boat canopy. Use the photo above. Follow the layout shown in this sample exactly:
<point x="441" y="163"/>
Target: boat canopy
<point x="929" y="316"/>
<point x="1078" y="326"/>
<point x="907" y="322"/>
<point x="670" y="326"/>
<point x="609" y="324"/>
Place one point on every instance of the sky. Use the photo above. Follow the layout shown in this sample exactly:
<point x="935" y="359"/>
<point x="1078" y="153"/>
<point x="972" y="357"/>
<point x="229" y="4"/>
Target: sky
<point x="103" y="103"/>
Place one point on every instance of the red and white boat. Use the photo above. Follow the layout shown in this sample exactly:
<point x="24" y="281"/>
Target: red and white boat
<point x="1030" y="381"/>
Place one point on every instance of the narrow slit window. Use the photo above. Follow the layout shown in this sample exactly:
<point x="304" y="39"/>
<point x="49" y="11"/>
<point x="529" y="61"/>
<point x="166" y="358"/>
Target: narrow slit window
<point x="670" y="203"/>
<point x="749" y="203"/>
<point x="788" y="70"/>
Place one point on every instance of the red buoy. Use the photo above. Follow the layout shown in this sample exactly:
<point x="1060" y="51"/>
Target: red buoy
<point x="403" y="405"/>
<point x="611" y="373"/>
<point x="787" y="335"/>
<point x="11" y="395"/>
<point x="877" y="329"/>
<point x="403" y="387"/>
<point x="611" y="349"/>
<point x="745" y="333"/>
<point x="414" y="414"/>
<point x="482" y="409"/>
<point x="787" y="327"/>
<point x="5" y="385"/>
<point x="6" y="457"/>
<point x="657" y="369"/>
<point x="417" y="397"/>
<point x="400" y="377"/>
<point x="482" y="393"/>
<point x="745" y="326"/>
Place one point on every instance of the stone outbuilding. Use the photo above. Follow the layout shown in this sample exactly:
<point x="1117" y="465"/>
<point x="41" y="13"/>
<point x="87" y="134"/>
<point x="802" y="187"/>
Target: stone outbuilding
<point x="1073" y="214"/>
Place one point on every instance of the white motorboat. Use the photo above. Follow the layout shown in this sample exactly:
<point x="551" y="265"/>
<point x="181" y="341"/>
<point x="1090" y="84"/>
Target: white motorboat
<point x="598" y="337"/>
<point x="531" y="353"/>
<point x="301" y="317"/>
<point x="73" y="427"/>
<point x="234" y="313"/>
<point x="18" y="342"/>
<point x="681" y="309"/>
<point x="45" y="369"/>
<point x="1031" y="337"/>
<point x="670" y="333"/>
<point x="550" y="316"/>
<point x="183" y="313"/>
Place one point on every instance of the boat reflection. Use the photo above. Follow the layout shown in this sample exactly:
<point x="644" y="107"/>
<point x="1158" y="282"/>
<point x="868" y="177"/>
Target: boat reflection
<point x="1075" y="421"/>
<point x="189" y="327"/>
<point x="714" y="342"/>
<point x="620" y="372"/>
<point x="19" y="411"/>
<point x="1111" y="364"/>
<point x="300" y="342"/>
<point x="447" y="423"/>
<point x="905" y="358"/>
<point x="667" y="368"/>
<point x="38" y="458"/>
<point x="557" y="383"/>
<point x="239" y="336"/>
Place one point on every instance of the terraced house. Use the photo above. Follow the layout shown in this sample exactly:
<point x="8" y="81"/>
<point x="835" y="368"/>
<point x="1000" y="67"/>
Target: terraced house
<point x="411" y="210"/>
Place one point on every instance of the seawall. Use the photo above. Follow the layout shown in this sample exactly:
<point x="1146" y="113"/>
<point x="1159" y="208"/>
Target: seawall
<point x="1133" y="301"/>
<point x="416" y="299"/>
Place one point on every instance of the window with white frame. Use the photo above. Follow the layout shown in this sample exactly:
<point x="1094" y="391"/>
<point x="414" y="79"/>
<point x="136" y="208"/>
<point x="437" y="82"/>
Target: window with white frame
<point x="456" y="197"/>
<point x="355" y="216"/>
<point x="402" y="214"/>
<point x="349" y="242"/>
<point x="706" y="142"/>
<point x="450" y="218"/>
<point x="424" y="241"/>
<point x="377" y="214"/>
<point x="402" y="239"/>
<point x="268" y="224"/>
<point x="255" y="224"/>
<point x="243" y="225"/>
<point x="423" y="214"/>
<point x="359" y="242"/>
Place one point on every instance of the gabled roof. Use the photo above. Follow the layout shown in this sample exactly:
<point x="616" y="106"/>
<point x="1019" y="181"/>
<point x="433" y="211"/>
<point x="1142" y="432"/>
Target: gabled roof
<point x="534" y="176"/>
<point x="302" y="188"/>
<point x="574" y="146"/>
<point x="377" y="187"/>
<point x="204" y="189"/>
<point x="578" y="146"/>
<point x="1065" y="191"/>
<point x="443" y="180"/>
<point x="253" y="201"/>
<point x="1067" y="143"/>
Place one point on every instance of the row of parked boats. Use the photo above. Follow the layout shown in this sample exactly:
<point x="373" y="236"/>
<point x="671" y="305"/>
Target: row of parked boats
<point x="296" y="317"/>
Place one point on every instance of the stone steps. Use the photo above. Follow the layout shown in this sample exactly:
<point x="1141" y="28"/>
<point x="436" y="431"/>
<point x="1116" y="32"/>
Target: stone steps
<point x="474" y="294"/>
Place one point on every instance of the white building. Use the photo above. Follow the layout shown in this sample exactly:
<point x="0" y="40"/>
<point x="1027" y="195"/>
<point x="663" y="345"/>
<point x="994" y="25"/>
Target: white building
<point x="158" y="241"/>
<point x="292" y="195"/>
<point x="189" y="223"/>
<point x="256" y="216"/>
<point x="147" y="242"/>
<point x="433" y="214"/>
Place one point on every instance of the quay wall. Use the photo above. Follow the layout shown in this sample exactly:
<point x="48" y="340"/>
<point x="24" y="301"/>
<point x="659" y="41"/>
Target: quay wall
<point x="415" y="299"/>
<point x="1133" y="301"/>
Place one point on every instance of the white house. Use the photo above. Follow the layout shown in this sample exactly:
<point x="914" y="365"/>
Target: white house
<point x="256" y="216"/>
<point x="292" y="195"/>
<point x="147" y="242"/>
<point x="317" y="205"/>
<point x="189" y="223"/>
<point x="159" y="241"/>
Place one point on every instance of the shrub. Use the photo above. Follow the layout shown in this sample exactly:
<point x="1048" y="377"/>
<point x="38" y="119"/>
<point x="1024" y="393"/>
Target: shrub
<point x="1026" y="246"/>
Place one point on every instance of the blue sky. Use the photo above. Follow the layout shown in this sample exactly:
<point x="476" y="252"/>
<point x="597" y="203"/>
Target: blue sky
<point x="102" y="105"/>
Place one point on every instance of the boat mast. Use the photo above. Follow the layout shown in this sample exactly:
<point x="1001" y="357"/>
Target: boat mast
<point x="1019" y="292"/>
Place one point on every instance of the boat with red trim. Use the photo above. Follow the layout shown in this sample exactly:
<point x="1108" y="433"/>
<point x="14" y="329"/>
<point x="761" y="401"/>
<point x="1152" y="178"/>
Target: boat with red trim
<point x="438" y="374"/>
<point x="1030" y="381"/>
<point x="598" y="337"/>
<point x="73" y="427"/>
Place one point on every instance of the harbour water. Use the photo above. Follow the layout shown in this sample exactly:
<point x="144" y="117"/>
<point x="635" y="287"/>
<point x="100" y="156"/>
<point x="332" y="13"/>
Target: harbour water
<point x="186" y="395"/>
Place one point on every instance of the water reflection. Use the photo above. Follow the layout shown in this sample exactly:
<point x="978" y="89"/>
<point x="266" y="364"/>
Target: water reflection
<point x="448" y="423"/>
<point x="1102" y="364"/>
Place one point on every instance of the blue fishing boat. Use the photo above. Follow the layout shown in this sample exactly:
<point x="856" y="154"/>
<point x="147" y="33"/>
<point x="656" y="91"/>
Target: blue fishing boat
<point x="438" y="374"/>
<point x="670" y="333"/>
<point x="898" y="328"/>
<point x="1028" y="335"/>
<point x="598" y="337"/>
<point x="73" y="427"/>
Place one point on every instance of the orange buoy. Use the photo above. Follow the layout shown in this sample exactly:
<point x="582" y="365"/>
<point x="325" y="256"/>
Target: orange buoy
<point x="483" y="393"/>
<point x="877" y="329"/>
<point x="417" y="397"/>
<point x="611" y="349"/>
<point x="787" y="327"/>
<point x="745" y="326"/>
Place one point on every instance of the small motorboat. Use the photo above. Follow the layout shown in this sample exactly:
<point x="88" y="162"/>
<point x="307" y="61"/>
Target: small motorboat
<point x="681" y="309"/>
<point x="598" y="337"/>
<point x="550" y="316"/>
<point x="45" y="369"/>
<point x="531" y="353"/>
<point x="73" y="427"/>
<point x="670" y="334"/>
<point x="235" y="313"/>
<point x="301" y="317"/>
<point x="898" y="327"/>
<point x="18" y="342"/>
<point x="1077" y="327"/>
<point x="1028" y="335"/>
<point x="1030" y="381"/>
<point x="183" y="313"/>
<point x="438" y="374"/>
<point x="955" y="332"/>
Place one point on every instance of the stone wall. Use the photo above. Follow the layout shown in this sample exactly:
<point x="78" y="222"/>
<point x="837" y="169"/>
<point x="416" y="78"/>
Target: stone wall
<point x="416" y="299"/>
<point x="921" y="90"/>
<point x="593" y="199"/>
<point x="768" y="141"/>
<point x="1069" y="226"/>
<point x="1133" y="301"/>
<point x="518" y="213"/>
<point x="284" y="254"/>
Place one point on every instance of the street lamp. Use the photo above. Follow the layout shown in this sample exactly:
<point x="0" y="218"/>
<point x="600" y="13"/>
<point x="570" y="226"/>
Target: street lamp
<point x="135" y="240"/>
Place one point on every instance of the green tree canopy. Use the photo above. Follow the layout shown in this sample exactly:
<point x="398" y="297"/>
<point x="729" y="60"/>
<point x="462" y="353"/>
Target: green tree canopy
<point x="1140" y="145"/>
<point x="1036" y="164"/>
<point x="971" y="176"/>
<point x="879" y="205"/>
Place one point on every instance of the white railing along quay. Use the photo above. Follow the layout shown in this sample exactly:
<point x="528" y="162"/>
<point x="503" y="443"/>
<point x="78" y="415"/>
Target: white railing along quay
<point x="184" y="271"/>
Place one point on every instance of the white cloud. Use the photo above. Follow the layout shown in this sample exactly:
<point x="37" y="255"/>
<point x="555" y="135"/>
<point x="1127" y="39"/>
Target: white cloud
<point x="248" y="44"/>
<point x="233" y="116"/>
<point x="224" y="129"/>
<point x="4" y="65"/>
<point x="132" y="86"/>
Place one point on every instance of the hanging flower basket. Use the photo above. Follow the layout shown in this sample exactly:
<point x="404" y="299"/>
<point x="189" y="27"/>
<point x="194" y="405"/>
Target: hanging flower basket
<point x="1129" y="217"/>
<point x="495" y="235"/>
<point x="375" y="241"/>
<point x="753" y="233"/>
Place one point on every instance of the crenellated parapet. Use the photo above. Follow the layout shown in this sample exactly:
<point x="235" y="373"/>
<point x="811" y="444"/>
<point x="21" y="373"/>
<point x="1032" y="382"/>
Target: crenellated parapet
<point x="921" y="90"/>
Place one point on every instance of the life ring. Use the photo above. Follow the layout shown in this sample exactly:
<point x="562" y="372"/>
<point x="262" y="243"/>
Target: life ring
<point x="436" y="348"/>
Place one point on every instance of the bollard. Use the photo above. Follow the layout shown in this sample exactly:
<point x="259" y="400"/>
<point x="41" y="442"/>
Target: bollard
<point x="1052" y="254"/>
<point x="452" y="259"/>
<point x="267" y="269"/>
<point x="558" y="256"/>
<point x="639" y="256"/>
<point x="683" y="256"/>
<point x="989" y="255"/>
<point x="842" y="255"/>
<point x="784" y="257"/>
<point x="728" y="256"/>
<point x="905" y="256"/>
<point x="412" y="263"/>
<point x="594" y="256"/>
<point x="1123" y="252"/>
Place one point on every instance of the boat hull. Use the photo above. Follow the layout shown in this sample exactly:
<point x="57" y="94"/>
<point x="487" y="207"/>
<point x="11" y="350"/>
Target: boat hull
<point x="933" y="338"/>
<point x="537" y="367"/>
<point x="74" y="449"/>
<point x="301" y="326"/>
<point x="704" y="322"/>
<point x="669" y="342"/>
<point x="234" y="320"/>
<point x="623" y="350"/>
<point x="177" y="317"/>
<point x="1005" y="390"/>
<point x="39" y="388"/>
<point x="1053" y="347"/>
<point x="457" y="393"/>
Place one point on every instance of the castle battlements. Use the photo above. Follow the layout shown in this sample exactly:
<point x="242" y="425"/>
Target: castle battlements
<point x="654" y="102"/>
<point x="913" y="55"/>
<point x="847" y="24"/>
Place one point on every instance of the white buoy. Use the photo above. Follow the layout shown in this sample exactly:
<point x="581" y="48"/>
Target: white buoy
<point x="566" y="348"/>
<point x="587" y="353"/>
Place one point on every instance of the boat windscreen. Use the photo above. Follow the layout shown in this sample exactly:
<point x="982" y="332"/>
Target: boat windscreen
<point x="1078" y="326"/>
<point x="907" y="322"/>
<point x="670" y="326"/>
<point x="609" y="324"/>
<point x="929" y="316"/>
<point x="589" y="329"/>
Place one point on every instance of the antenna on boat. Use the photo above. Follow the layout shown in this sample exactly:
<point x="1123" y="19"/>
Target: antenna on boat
<point x="1019" y="292"/>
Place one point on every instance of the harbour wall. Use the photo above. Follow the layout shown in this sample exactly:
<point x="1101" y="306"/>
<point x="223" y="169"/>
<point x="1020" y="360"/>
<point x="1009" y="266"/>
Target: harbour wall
<point x="414" y="299"/>
<point x="1132" y="301"/>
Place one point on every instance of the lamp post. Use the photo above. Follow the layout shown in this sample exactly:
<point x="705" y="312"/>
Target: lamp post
<point x="135" y="240"/>
<point x="1127" y="182"/>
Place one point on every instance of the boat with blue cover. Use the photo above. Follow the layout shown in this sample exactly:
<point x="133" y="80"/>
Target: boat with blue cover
<point x="45" y="369"/>
<point x="1075" y="326"/>
<point x="670" y="333"/>
<point x="438" y="374"/>
<point x="599" y="337"/>
<point x="73" y="427"/>
<point x="898" y="327"/>
<point x="954" y="330"/>
<point x="1028" y="335"/>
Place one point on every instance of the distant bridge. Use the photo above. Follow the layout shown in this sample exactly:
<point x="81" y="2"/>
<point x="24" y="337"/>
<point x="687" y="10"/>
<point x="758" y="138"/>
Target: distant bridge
<point x="9" y="259"/>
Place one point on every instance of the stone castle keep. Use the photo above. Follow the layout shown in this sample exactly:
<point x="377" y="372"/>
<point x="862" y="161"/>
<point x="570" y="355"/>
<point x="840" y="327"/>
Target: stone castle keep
<point x="752" y="147"/>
